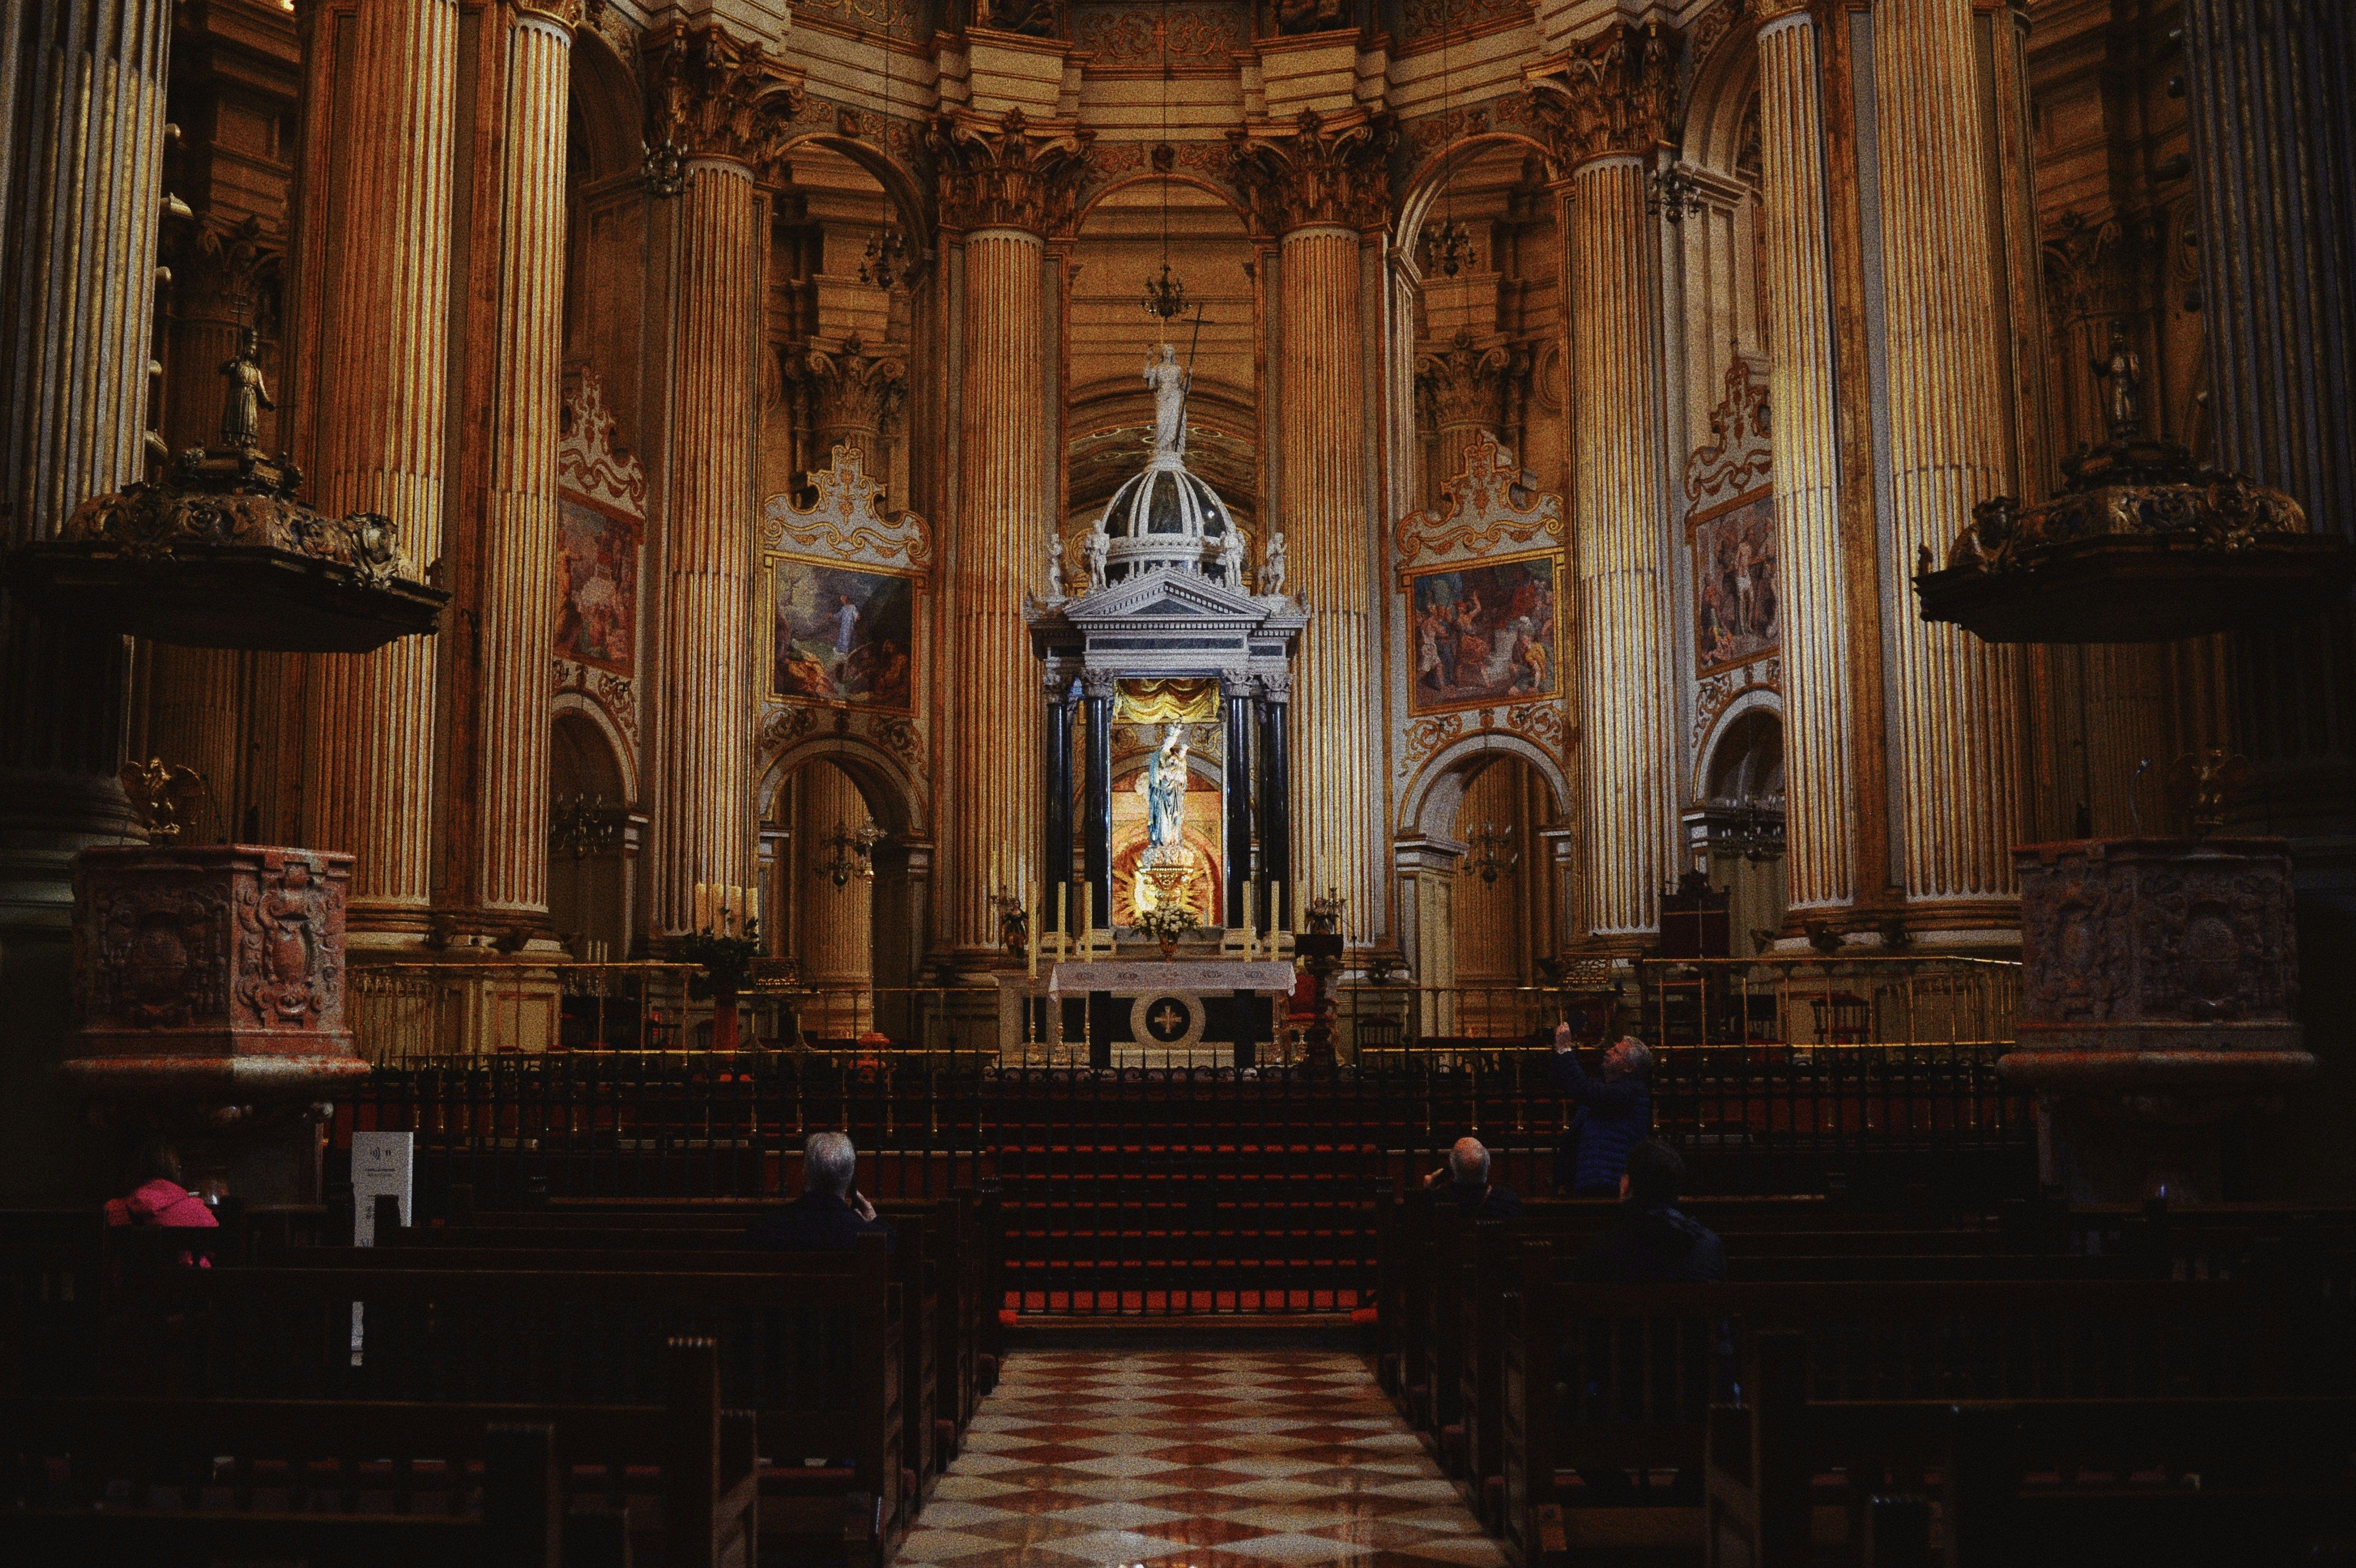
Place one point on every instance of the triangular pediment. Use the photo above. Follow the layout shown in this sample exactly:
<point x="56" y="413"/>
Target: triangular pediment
<point x="1165" y="596"/>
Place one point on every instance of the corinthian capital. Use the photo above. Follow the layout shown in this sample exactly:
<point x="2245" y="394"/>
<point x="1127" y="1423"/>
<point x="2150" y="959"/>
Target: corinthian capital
<point x="1321" y="171"/>
<point x="1461" y="385"/>
<point x="715" y="95"/>
<point x="853" y="390"/>
<point x="1615" y="92"/>
<point x="1007" y="174"/>
<point x="224" y="267"/>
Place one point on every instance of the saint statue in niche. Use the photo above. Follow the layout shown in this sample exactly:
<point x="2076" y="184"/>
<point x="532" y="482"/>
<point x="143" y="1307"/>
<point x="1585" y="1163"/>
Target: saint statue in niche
<point x="1162" y="785"/>
<point x="1169" y="384"/>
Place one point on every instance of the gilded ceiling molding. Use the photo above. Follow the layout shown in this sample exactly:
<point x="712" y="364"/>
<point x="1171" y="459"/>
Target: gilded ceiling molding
<point x="1464" y="385"/>
<point x="851" y="389"/>
<point x="1615" y="93"/>
<point x="1006" y="174"/>
<point x="1322" y="171"/>
<point x="716" y="95"/>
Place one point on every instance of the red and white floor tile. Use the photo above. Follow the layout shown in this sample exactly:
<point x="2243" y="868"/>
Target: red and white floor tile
<point x="1186" y="1459"/>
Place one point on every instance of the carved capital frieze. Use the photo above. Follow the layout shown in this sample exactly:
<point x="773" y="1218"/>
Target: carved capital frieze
<point x="850" y="390"/>
<point x="715" y="95"/>
<point x="1324" y="170"/>
<point x="1615" y="92"/>
<point x="2092" y="265"/>
<point x="1462" y="385"/>
<point x="223" y="267"/>
<point x="1007" y="173"/>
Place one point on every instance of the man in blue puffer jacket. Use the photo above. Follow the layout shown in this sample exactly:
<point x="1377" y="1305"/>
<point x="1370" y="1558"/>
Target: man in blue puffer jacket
<point x="1614" y="1114"/>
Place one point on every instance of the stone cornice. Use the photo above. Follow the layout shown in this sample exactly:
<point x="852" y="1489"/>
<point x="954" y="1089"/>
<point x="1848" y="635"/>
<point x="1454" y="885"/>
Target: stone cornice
<point x="1006" y="173"/>
<point x="714" y="95"/>
<point x="1615" y="92"/>
<point x="1325" y="169"/>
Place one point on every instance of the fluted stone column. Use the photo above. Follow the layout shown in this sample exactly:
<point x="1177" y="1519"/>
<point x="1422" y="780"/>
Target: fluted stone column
<point x="1608" y="107"/>
<point x="1004" y="185"/>
<point x="509" y="864"/>
<point x="373" y="743"/>
<point x="2274" y="146"/>
<point x="835" y="925"/>
<point x="1320" y="187"/>
<point x="80" y="183"/>
<point x="1955" y="729"/>
<point x="722" y="106"/>
<point x="1820" y="856"/>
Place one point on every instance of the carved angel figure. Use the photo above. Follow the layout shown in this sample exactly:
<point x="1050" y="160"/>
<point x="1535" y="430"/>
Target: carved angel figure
<point x="1271" y="566"/>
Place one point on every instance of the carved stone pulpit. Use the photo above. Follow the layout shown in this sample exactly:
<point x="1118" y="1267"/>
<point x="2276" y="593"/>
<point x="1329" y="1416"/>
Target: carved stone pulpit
<point x="208" y="1004"/>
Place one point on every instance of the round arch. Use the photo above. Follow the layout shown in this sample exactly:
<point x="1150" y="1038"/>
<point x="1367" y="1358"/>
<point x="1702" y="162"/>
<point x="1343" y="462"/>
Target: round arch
<point x="1424" y="185"/>
<point x="892" y="796"/>
<point x="1723" y="81"/>
<point x="1098" y="197"/>
<point x="901" y="186"/>
<point x="580" y="709"/>
<point x="605" y="100"/>
<point x="1733" y="725"/>
<point x="1432" y="800"/>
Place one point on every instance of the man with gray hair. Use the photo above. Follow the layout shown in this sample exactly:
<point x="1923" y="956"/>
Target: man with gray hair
<point x="831" y="1215"/>
<point x="1614" y="1114"/>
<point x="1465" y="1183"/>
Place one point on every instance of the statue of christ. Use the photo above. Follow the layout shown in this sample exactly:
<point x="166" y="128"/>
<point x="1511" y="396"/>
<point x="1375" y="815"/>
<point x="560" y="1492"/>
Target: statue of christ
<point x="1169" y="384"/>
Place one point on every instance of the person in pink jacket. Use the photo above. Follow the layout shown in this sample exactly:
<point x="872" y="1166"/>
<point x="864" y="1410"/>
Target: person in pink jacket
<point x="160" y="1200"/>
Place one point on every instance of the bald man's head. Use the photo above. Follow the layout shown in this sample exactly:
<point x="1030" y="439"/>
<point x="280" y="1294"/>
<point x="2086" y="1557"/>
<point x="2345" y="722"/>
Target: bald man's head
<point x="1468" y="1162"/>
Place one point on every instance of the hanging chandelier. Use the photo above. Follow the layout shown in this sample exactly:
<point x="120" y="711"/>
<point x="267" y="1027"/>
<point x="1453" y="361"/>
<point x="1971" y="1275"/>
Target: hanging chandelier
<point x="1447" y="243"/>
<point x="1165" y="291"/>
<point x="886" y="257"/>
<point x="1493" y="855"/>
<point x="854" y="853"/>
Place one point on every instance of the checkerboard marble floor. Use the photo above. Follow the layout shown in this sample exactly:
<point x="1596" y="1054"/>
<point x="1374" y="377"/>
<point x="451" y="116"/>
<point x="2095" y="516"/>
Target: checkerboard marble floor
<point x="1189" y="1459"/>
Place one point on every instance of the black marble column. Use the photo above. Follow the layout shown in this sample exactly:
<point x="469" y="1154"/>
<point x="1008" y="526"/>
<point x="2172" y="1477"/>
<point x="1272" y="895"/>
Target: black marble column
<point x="1238" y="781"/>
<point x="1057" y="862"/>
<point x="1275" y="791"/>
<point x="1096" y="783"/>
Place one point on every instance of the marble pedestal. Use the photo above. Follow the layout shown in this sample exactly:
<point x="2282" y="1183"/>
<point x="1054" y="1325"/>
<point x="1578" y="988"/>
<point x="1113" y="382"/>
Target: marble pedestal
<point x="208" y="990"/>
<point x="2158" y="1004"/>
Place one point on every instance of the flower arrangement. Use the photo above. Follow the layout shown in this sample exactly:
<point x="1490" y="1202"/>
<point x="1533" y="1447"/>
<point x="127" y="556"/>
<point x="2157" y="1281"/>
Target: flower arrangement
<point x="1166" y="923"/>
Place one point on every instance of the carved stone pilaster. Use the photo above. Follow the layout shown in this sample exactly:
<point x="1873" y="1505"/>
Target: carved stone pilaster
<point x="1323" y="170"/>
<point x="853" y="393"/>
<point x="1463" y="387"/>
<point x="715" y="95"/>
<point x="1007" y="174"/>
<point x="1615" y="92"/>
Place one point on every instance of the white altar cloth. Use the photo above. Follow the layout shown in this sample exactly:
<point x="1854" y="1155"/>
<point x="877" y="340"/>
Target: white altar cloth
<point x="1195" y="977"/>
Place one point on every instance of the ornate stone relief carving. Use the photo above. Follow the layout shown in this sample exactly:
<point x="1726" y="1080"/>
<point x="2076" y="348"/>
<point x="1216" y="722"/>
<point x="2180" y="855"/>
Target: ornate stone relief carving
<point x="1715" y="694"/>
<point x="715" y="95"/>
<point x="1462" y="385"/>
<point x="1007" y="175"/>
<point x="226" y="265"/>
<point x="2092" y="265"/>
<point x="1321" y="171"/>
<point x="1480" y="514"/>
<point x="841" y="527"/>
<point x="1616" y="93"/>
<point x="1124" y="34"/>
<point x="586" y="461"/>
<point x="1739" y="452"/>
<point x="853" y="390"/>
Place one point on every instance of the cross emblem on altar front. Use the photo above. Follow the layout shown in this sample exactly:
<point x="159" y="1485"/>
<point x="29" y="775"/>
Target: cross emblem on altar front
<point x="1169" y="1020"/>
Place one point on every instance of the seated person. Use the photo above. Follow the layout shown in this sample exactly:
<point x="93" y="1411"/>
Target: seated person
<point x="1614" y="1113"/>
<point x="159" y="1198"/>
<point x="1464" y="1182"/>
<point x="1650" y="1240"/>
<point x="830" y="1216"/>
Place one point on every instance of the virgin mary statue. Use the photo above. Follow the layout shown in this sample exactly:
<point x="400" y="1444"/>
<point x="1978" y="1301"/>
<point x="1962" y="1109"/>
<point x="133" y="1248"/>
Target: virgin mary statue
<point x="1163" y="786"/>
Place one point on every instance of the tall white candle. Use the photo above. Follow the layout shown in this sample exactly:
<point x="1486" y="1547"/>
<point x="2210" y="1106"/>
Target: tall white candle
<point x="1250" y="934"/>
<point x="1031" y="957"/>
<point x="702" y="906"/>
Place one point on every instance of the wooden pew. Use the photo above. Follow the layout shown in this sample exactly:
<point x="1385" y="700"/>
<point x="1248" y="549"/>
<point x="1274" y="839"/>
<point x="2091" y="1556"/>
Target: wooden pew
<point x="1602" y="1380"/>
<point x="682" y="1478"/>
<point x="814" y="1350"/>
<point x="2149" y="1481"/>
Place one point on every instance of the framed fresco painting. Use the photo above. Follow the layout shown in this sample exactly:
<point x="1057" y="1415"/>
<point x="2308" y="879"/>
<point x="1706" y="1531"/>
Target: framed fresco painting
<point x="842" y="634"/>
<point x="596" y="587"/>
<point x="1737" y="594"/>
<point x="1484" y="632"/>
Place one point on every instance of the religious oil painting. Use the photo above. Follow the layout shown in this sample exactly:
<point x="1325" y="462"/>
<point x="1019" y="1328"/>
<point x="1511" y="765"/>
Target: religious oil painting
<point x="1484" y="633"/>
<point x="1738" y="600"/>
<point x="843" y="635"/>
<point x="597" y="588"/>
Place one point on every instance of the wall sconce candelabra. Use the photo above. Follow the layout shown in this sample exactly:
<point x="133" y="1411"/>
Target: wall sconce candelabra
<point x="1165" y="295"/>
<point x="1673" y="194"/>
<point x="887" y="257"/>
<point x="1750" y="829"/>
<point x="584" y="825"/>
<point x="854" y="853"/>
<point x="1493" y="855"/>
<point x="1451" y="247"/>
